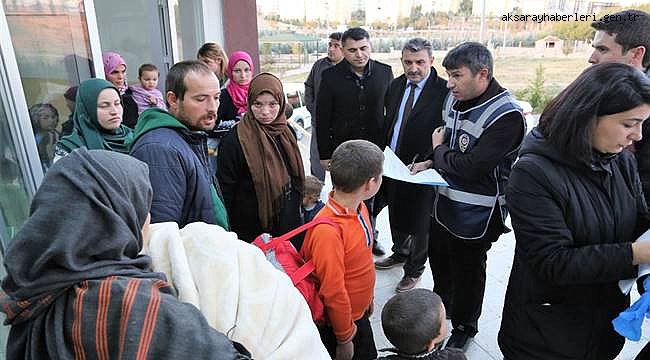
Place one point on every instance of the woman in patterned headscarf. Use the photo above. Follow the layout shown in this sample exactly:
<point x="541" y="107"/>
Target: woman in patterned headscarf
<point x="76" y="286"/>
<point x="115" y="72"/>
<point x="97" y="120"/>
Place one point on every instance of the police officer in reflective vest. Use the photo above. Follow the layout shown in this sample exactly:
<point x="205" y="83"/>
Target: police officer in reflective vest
<point x="474" y="152"/>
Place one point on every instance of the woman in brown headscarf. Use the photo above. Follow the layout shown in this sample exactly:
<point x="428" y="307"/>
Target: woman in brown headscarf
<point x="259" y="166"/>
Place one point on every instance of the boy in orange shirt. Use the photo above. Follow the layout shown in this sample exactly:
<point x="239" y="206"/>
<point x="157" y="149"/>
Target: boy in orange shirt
<point x="343" y="257"/>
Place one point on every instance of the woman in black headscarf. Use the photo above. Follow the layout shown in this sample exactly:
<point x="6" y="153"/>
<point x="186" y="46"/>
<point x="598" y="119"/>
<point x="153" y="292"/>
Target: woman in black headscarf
<point x="76" y="286"/>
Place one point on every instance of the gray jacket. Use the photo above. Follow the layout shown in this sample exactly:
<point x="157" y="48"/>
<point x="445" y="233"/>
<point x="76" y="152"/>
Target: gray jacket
<point x="313" y="83"/>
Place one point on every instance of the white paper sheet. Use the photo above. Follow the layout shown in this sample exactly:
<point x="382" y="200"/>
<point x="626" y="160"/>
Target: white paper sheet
<point x="394" y="168"/>
<point x="626" y="285"/>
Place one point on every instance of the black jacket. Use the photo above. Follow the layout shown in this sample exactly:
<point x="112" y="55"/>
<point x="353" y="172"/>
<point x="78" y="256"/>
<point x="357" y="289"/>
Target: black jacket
<point x="129" y="109"/>
<point x="574" y="224"/>
<point x="226" y="110"/>
<point x="410" y="204"/>
<point x="240" y="199"/>
<point x="643" y="156"/>
<point x="351" y="108"/>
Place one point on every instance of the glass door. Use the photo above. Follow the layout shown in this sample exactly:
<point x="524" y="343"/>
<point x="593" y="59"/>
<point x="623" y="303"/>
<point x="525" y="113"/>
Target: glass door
<point x="139" y="31"/>
<point x="51" y="42"/>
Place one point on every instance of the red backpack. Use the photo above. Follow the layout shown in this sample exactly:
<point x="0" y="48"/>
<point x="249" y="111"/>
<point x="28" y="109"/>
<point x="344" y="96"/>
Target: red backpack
<point x="281" y="253"/>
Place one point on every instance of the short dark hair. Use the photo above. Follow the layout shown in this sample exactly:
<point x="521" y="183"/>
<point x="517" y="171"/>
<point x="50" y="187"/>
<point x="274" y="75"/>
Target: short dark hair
<point x="355" y="33"/>
<point x="418" y="44"/>
<point x="177" y="74"/>
<point x="336" y="36"/>
<point x="568" y="120"/>
<point x="628" y="33"/>
<point x="412" y="319"/>
<point x="473" y="55"/>
<point x="147" y="67"/>
<point x="313" y="185"/>
<point x="353" y="163"/>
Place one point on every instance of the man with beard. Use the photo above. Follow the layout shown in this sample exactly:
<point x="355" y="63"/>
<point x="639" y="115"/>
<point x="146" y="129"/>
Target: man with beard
<point x="413" y="110"/>
<point x="173" y="144"/>
<point x="334" y="56"/>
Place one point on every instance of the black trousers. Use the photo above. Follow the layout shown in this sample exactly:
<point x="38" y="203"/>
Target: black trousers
<point x="364" y="342"/>
<point x="458" y="268"/>
<point x="412" y="250"/>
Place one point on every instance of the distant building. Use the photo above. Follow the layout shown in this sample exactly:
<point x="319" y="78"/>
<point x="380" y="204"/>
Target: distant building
<point x="328" y="11"/>
<point x="385" y="11"/>
<point x="582" y="7"/>
<point x="499" y="8"/>
<point x="549" y="46"/>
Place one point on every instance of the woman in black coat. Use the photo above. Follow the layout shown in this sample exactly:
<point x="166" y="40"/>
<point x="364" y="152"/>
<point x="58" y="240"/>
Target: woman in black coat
<point x="259" y="166"/>
<point x="577" y="207"/>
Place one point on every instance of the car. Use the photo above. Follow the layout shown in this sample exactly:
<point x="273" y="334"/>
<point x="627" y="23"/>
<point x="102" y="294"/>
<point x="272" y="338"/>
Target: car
<point x="300" y="120"/>
<point x="531" y="120"/>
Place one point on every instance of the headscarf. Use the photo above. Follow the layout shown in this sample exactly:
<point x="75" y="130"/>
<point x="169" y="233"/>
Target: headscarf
<point x="261" y="146"/>
<point x="87" y="132"/>
<point x="85" y="223"/>
<point x="238" y="92"/>
<point x="111" y="61"/>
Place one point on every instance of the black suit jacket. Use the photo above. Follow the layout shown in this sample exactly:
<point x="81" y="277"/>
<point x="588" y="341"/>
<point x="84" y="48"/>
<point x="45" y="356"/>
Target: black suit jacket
<point x="348" y="108"/>
<point x="409" y="205"/>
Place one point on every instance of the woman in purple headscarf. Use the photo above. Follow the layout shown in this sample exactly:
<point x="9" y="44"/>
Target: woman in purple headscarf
<point x="115" y="72"/>
<point x="234" y="97"/>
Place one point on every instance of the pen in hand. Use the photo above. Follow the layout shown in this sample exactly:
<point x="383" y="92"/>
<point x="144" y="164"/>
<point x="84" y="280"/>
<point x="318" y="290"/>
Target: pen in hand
<point x="410" y="167"/>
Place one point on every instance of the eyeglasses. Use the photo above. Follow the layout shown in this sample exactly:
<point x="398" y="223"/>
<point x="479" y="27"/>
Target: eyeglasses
<point x="259" y="105"/>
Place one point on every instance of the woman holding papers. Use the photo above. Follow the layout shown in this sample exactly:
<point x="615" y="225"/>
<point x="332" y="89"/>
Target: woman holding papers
<point x="577" y="207"/>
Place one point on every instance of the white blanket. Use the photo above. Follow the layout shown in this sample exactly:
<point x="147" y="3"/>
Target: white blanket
<point x="240" y="293"/>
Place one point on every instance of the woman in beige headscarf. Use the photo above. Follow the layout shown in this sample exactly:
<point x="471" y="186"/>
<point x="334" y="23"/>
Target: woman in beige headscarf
<point x="259" y="166"/>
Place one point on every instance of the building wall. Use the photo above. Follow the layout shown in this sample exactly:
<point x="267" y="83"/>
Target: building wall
<point x="240" y="28"/>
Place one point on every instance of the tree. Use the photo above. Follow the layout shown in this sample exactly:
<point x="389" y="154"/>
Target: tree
<point x="359" y="15"/>
<point x="465" y="8"/>
<point x="537" y="95"/>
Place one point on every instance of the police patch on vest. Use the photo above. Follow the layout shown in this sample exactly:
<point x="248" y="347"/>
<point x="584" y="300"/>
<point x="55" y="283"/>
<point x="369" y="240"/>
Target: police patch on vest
<point x="463" y="142"/>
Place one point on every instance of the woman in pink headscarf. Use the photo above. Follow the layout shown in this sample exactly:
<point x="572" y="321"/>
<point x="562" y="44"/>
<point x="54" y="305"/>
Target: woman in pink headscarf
<point x="234" y="96"/>
<point x="115" y="72"/>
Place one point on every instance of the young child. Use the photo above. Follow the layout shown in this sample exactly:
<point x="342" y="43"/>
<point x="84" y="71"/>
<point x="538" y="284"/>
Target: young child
<point x="415" y="323"/>
<point x="45" y="119"/>
<point x="343" y="256"/>
<point x="311" y="203"/>
<point x="146" y="95"/>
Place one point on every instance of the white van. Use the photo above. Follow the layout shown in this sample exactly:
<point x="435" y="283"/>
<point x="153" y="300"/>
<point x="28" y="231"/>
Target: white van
<point x="301" y="118"/>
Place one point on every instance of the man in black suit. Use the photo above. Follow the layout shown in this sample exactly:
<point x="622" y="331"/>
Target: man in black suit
<point x="414" y="104"/>
<point x="350" y="101"/>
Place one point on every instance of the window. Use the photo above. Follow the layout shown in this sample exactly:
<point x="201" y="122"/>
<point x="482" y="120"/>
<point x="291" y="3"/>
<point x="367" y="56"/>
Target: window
<point x="52" y="47"/>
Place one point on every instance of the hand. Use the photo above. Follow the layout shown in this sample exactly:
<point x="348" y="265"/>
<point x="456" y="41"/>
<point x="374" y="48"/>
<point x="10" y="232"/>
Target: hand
<point x="325" y="164"/>
<point x="345" y="351"/>
<point x="640" y="253"/>
<point x="153" y="100"/>
<point x="371" y="308"/>
<point x="421" y="166"/>
<point x="438" y="136"/>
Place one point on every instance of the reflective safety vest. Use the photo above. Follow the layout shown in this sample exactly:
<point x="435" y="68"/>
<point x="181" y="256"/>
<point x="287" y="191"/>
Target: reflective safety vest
<point x="465" y="207"/>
